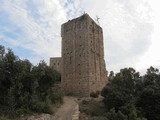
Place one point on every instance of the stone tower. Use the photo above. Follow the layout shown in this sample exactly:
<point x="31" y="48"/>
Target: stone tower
<point x="82" y="64"/>
<point x="55" y="63"/>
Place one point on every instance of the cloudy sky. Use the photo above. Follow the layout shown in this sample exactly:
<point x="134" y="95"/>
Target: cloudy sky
<point x="131" y="29"/>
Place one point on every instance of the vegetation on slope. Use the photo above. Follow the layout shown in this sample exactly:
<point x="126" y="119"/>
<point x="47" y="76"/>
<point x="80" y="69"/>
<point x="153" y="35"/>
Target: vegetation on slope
<point x="128" y="96"/>
<point x="25" y="88"/>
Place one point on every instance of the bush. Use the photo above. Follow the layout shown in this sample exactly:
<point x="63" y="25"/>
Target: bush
<point x="85" y="102"/>
<point x="99" y="118"/>
<point x="24" y="87"/>
<point x="95" y="94"/>
<point x="135" y="96"/>
<point x="55" y="97"/>
<point x="92" y="108"/>
<point x="41" y="107"/>
<point x="3" y="118"/>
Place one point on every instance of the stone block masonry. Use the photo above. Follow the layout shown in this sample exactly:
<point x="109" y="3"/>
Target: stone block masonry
<point x="55" y="63"/>
<point x="83" y="68"/>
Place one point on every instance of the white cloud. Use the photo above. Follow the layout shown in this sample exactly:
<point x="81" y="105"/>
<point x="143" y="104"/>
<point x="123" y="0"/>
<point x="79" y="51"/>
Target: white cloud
<point x="152" y="57"/>
<point x="40" y="34"/>
<point x="127" y="29"/>
<point x="126" y="24"/>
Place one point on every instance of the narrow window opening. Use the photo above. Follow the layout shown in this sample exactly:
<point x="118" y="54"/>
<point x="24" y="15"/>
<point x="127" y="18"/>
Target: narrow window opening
<point x="92" y="29"/>
<point x="70" y="60"/>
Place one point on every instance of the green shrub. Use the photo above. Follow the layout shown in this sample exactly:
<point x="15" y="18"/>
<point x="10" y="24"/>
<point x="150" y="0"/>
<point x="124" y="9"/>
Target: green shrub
<point x="41" y="107"/>
<point x="25" y="87"/>
<point x="95" y="94"/>
<point x="69" y="94"/>
<point x="3" y="118"/>
<point x="55" y="97"/>
<point x="99" y="118"/>
<point x="85" y="102"/>
<point x="92" y="108"/>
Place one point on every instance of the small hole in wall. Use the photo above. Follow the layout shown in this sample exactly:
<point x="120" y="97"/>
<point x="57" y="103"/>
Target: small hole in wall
<point x="70" y="60"/>
<point x="79" y="83"/>
<point x="92" y="29"/>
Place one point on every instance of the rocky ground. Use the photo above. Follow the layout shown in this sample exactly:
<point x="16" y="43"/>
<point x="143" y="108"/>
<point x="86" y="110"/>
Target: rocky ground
<point x="69" y="110"/>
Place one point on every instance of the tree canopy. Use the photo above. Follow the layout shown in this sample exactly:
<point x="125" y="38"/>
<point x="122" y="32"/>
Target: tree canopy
<point x="132" y="96"/>
<point x="23" y="86"/>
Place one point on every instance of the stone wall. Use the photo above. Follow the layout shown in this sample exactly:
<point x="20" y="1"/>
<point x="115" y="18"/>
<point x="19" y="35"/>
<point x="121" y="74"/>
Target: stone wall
<point x="55" y="63"/>
<point x="97" y="69"/>
<point x="83" y="65"/>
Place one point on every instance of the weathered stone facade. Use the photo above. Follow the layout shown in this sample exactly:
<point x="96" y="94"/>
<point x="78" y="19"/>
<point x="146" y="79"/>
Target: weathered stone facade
<point x="55" y="63"/>
<point x="82" y="64"/>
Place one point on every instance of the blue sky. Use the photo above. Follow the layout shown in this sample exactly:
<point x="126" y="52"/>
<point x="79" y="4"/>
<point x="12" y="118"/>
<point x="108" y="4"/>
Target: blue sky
<point x="131" y="29"/>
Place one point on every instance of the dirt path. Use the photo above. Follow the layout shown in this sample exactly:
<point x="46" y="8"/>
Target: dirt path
<point x="67" y="109"/>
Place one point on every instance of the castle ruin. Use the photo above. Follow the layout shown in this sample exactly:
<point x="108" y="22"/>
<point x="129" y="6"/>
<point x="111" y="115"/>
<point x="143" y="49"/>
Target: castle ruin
<point x="82" y="64"/>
